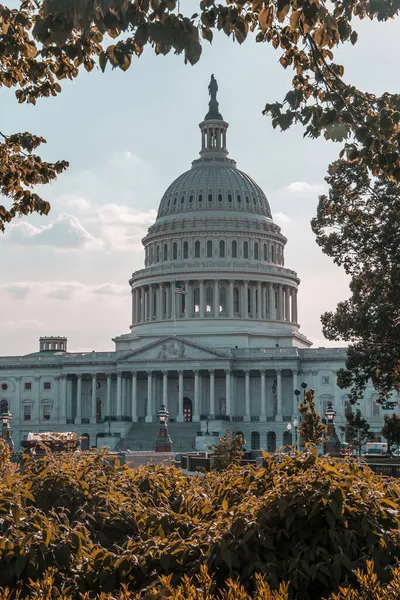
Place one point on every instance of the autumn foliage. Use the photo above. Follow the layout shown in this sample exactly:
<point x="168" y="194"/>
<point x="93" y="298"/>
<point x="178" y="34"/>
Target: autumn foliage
<point x="80" y="525"/>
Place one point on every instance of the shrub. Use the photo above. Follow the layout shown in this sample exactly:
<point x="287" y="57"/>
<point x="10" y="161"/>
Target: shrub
<point x="78" y="525"/>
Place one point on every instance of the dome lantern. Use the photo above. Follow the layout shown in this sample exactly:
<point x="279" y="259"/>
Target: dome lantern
<point x="213" y="128"/>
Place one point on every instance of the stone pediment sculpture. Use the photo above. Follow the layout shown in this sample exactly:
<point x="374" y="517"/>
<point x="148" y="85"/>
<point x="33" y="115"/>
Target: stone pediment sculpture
<point x="173" y="349"/>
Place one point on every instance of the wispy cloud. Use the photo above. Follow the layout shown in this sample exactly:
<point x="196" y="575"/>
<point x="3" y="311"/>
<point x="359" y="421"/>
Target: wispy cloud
<point x="305" y="187"/>
<point x="61" y="290"/>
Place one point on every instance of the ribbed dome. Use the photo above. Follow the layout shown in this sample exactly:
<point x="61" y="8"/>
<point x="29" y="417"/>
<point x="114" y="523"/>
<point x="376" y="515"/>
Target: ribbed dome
<point x="219" y="186"/>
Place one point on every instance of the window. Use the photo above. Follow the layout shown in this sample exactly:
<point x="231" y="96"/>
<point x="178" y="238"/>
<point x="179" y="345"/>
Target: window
<point x="185" y="250"/>
<point x="46" y="412"/>
<point x="247" y="200"/>
<point x="325" y="380"/>
<point x="190" y="199"/>
<point x="4" y="386"/>
<point x="4" y="407"/>
<point x="219" y="197"/>
<point x="375" y="409"/>
<point x="222" y="299"/>
<point x="210" y="197"/>
<point x="47" y="385"/>
<point x="245" y="249"/>
<point x="273" y="253"/>
<point x="27" y="385"/>
<point x="165" y="252"/>
<point x="238" y="198"/>
<point x="196" y="300"/>
<point x="182" y="199"/>
<point x="200" y="197"/>
<point x="175" y="199"/>
<point x="256" y="251"/>
<point x="265" y="252"/>
<point x="158" y="254"/>
<point x="234" y="249"/>
<point x="209" y="299"/>
<point x="229" y="197"/>
<point x="209" y="249"/>
<point x="197" y="249"/>
<point x="27" y="412"/>
<point x="174" y="251"/>
<point x="222" y="249"/>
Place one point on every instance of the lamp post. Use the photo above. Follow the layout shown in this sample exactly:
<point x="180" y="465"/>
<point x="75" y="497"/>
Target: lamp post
<point x="163" y="441"/>
<point x="6" y="418"/>
<point x="332" y="442"/>
<point x="294" y="426"/>
<point x="207" y="432"/>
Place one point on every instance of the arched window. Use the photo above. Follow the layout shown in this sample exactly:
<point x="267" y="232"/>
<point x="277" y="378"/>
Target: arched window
<point x="196" y="300"/>
<point x="222" y="249"/>
<point x="209" y="299"/>
<point x="174" y="251"/>
<point x="165" y="251"/>
<point x="210" y="197"/>
<point x="238" y="198"/>
<point x="236" y="307"/>
<point x="185" y="250"/>
<point x="3" y="407"/>
<point x="158" y="253"/>
<point x="190" y="199"/>
<point x="222" y="299"/>
<point x="182" y="199"/>
<point x="245" y="249"/>
<point x="229" y="197"/>
<point x="234" y="249"/>
<point x="273" y="253"/>
<point x="197" y="249"/>
<point x="219" y="197"/>
<point x="200" y="197"/>
<point x="175" y="199"/>
<point x="249" y="306"/>
<point x="255" y="250"/>
<point x="209" y="249"/>
<point x="265" y="252"/>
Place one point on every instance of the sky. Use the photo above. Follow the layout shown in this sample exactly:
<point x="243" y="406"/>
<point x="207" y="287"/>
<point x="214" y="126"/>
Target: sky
<point x="127" y="136"/>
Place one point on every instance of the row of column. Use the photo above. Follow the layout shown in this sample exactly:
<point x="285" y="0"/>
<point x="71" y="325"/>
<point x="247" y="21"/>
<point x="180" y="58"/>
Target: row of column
<point x="204" y="299"/>
<point x="151" y="400"/>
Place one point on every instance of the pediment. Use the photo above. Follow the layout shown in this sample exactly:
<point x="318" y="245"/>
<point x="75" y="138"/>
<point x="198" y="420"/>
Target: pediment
<point x="173" y="349"/>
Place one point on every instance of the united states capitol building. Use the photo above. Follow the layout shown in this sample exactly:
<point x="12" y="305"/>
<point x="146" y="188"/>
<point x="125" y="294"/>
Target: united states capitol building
<point x="214" y="331"/>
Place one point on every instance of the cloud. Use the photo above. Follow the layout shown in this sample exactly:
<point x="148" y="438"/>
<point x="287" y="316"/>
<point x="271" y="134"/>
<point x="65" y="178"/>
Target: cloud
<point x="75" y="201"/>
<point x="121" y="227"/>
<point x="65" y="233"/>
<point x="281" y="217"/>
<point x="61" y="290"/>
<point x="21" y="324"/>
<point x="304" y="187"/>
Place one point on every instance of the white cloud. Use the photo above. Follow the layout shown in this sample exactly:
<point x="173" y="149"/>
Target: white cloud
<point x="61" y="290"/>
<point x="75" y="201"/>
<point x="21" y="324"/>
<point x="281" y="217"/>
<point x="63" y="233"/>
<point x="303" y="186"/>
<point x="121" y="227"/>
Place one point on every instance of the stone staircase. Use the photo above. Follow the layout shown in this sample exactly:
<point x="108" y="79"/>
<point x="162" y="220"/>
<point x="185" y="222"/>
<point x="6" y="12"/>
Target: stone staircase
<point x="142" y="436"/>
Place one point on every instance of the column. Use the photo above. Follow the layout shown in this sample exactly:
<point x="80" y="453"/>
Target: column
<point x="189" y="299"/>
<point x="16" y="411"/>
<point x="278" y="395"/>
<point x="247" y="395"/>
<point x="216" y="298"/>
<point x="78" y="418"/>
<point x="149" y="417"/>
<point x="108" y="396"/>
<point x="294" y="306"/>
<point x="133" y="307"/>
<point x="137" y="309"/>
<point x="160" y="298"/>
<point x="167" y="302"/>
<point x="202" y="299"/>
<point x="196" y="416"/>
<point x="295" y="401"/>
<point x="94" y="390"/>
<point x="260" y="301"/>
<point x="253" y="301"/>
<point x="287" y="303"/>
<point x="180" y="397"/>
<point x="228" y="391"/>
<point x="165" y="389"/>
<point x="263" y="416"/>
<point x="212" y="393"/>
<point x="151" y="303"/>
<point x="145" y="306"/>
<point x="281" y="303"/>
<point x="63" y="403"/>
<point x="245" y="307"/>
<point x="119" y="396"/>
<point x="123" y="396"/>
<point x="230" y="299"/>
<point x="134" y="398"/>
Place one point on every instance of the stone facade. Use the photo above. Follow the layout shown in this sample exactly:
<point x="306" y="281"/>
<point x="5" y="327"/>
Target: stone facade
<point x="214" y="335"/>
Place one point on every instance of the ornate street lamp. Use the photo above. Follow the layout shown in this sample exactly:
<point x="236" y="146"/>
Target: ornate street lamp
<point x="6" y="418"/>
<point x="297" y="393"/>
<point x="332" y="442"/>
<point x="163" y="441"/>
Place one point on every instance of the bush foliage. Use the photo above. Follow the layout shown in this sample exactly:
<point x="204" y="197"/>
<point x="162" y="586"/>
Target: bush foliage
<point x="79" y="525"/>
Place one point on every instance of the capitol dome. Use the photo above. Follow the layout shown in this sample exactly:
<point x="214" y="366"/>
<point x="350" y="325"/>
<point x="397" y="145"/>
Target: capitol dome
<point x="214" y="267"/>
